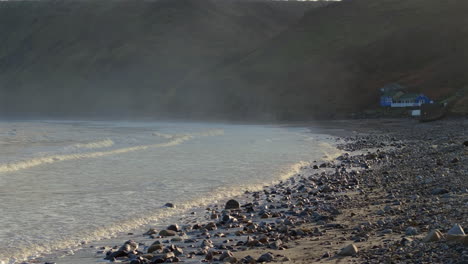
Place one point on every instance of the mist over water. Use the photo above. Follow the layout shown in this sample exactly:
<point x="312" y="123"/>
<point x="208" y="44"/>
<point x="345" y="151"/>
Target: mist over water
<point x="62" y="183"/>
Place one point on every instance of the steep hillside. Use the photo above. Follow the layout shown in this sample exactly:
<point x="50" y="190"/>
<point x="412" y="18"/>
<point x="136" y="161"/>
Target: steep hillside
<point x="116" y="57"/>
<point x="334" y="60"/>
<point x="227" y="58"/>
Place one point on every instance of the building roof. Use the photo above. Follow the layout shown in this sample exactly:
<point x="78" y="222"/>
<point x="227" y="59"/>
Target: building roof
<point x="409" y="96"/>
<point x="393" y="94"/>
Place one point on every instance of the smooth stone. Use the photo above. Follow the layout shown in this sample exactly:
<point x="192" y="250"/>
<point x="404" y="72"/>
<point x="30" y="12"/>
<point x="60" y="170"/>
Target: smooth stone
<point x="173" y="228"/>
<point x="155" y="247"/>
<point x="411" y="231"/>
<point x="226" y="254"/>
<point x="129" y="246"/>
<point x="232" y="204"/>
<point x="170" y="205"/>
<point x="178" y="251"/>
<point x="438" y="191"/>
<point x="167" y="233"/>
<point x="151" y="231"/>
<point x="456" y="230"/>
<point x="249" y="259"/>
<point x="267" y="257"/>
<point x="434" y="235"/>
<point x="230" y="260"/>
<point x="207" y="244"/>
<point x="350" y="250"/>
<point x="176" y="239"/>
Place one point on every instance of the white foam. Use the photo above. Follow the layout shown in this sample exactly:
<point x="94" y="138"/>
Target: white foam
<point x="113" y="229"/>
<point x="26" y="164"/>
<point x="107" y="143"/>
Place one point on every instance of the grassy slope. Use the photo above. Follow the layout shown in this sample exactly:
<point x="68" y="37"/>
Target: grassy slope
<point x="119" y="56"/>
<point x="334" y="60"/>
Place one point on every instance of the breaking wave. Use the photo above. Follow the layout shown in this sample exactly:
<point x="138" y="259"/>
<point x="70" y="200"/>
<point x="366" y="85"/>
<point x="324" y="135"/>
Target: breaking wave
<point x="26" y="164"/>
<point x="113" y="229"/>
<point x="107" y="143"/>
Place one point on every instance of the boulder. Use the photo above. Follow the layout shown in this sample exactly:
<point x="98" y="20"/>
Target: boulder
<point x="165" y="233"/>
<point x="456" y="230"/>
<point x="232" y="204"/>
<point x="225" y="255"/>
<point x="173" y="228"/>
<point x="170" y="205"/>
<point x="129" y="246"/>
<point x="267" y="257"/>
<point x="178" y="251"/>
<point x="434" y="235"/>
<point x="350" y="250"/>
<point x="411" y="231"/>
<point x="207" y="244"/>
<point x="155" y="247"/>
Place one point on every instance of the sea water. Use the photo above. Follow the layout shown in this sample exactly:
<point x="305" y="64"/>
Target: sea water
<point x="66" y="183"/>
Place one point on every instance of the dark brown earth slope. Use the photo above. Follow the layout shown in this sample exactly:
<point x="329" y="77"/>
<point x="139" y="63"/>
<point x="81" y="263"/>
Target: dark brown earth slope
<point x="228" y="59"/>
<point x="334" y="60"/>
<point x="119" y="57"/>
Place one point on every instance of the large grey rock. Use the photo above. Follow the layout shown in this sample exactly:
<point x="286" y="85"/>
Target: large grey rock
<point x="456" y="230"/>
<point x="174" y="227"/>
<point x="170" y="205"/>
<point x="207" y="244"/>
<point x="155" y="247"/>
<point x="129" y="246"/>
<point x="167" y="233"/>
<point x="411" y="231"/>
<point x="267" y="257"/>
<point x="225" y="255"/>
<point x="232" y="204"/>
<point x="350" y="250"/>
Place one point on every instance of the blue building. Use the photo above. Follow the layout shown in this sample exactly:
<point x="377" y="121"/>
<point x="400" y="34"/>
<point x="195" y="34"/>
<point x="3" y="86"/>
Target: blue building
<point x="394" y="95"/>
<point x="389" y="92"/>
<point x="410" y="100"/>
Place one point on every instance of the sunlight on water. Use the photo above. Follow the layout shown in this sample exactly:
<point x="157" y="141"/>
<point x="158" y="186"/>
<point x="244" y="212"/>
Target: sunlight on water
<point x="64" y="183"/>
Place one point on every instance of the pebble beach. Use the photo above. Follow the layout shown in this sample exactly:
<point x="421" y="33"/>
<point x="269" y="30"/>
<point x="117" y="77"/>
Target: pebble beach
<point x="398" y="193"/>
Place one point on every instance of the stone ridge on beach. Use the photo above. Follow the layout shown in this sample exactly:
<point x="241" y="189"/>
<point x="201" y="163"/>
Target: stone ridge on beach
<point x="400" y="195"/>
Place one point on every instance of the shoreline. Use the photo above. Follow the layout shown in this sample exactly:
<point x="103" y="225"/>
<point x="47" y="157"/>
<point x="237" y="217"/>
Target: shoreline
<point x="383" y="202"/>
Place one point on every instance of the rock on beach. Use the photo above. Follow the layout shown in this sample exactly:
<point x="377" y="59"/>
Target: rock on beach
<point x="165" y="233"/>
<point x="433" y="236"/>
<point x="232" y="204"/>
<point x="350" y="250"/>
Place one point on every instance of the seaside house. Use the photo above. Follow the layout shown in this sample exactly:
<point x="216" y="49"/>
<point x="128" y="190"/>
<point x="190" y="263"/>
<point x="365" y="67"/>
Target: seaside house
<point x="394" y="95"/>
<point x="389" y="92"/>
<point x="411" y="100"/>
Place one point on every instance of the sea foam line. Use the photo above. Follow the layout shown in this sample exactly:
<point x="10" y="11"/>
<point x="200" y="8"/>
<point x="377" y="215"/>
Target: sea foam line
<point x="113" y="229"/>
<point x="26" y="164"/>
<point x="107" y="143"/>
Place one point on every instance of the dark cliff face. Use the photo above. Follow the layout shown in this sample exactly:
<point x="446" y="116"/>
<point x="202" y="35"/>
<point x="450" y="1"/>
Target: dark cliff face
<point x="335" y="59"/>
<point x="225" y="59"/>
<point x="123" y="57"/>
